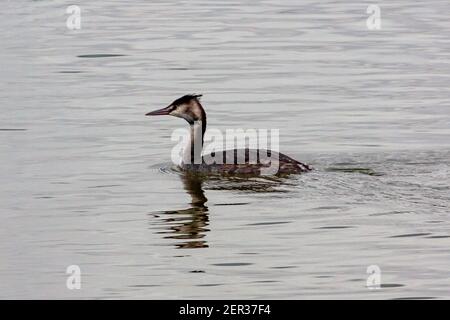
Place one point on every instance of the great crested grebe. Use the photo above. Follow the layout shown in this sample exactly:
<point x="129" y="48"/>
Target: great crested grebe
<point x="189" y="108"/>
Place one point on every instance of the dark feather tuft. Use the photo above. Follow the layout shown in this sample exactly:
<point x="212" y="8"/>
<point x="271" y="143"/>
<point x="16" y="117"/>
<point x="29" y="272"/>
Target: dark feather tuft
<point x="186" y="99"/>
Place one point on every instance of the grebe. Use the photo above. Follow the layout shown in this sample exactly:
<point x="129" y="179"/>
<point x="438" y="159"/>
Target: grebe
<point x="189" y="108"/>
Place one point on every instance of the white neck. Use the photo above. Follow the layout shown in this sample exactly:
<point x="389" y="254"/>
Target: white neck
<point x="193" y="150"/>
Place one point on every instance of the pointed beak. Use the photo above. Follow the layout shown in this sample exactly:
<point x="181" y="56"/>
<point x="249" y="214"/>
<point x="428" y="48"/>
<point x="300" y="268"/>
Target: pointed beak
<point x="160" y="112"/>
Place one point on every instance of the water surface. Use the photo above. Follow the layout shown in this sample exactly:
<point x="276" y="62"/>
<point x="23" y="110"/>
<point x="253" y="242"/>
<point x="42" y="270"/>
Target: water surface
<point x="86" y="178"/>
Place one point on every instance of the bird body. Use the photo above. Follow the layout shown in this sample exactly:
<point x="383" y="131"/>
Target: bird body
<point x="226" y="162"/>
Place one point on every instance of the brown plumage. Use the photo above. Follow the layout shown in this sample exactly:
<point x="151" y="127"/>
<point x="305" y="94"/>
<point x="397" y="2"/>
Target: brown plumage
<point x="189" y="108"/>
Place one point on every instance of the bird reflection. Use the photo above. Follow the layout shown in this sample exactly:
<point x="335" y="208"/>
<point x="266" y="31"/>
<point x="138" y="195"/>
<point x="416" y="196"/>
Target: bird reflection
<point x="188" y="225"/>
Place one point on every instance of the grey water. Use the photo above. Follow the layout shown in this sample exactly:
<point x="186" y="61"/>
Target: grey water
<point x="86" y="178"/>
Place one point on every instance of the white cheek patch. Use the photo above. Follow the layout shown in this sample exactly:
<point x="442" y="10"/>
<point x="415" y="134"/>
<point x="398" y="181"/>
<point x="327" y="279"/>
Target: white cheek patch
<point x="179" y="114"/>
<point x="175" y="113"/>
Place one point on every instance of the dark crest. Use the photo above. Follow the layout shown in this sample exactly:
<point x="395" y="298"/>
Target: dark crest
<point x="186" y="99"/>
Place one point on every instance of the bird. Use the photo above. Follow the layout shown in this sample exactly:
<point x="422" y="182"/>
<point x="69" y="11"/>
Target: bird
<point x="244" y="161"/>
